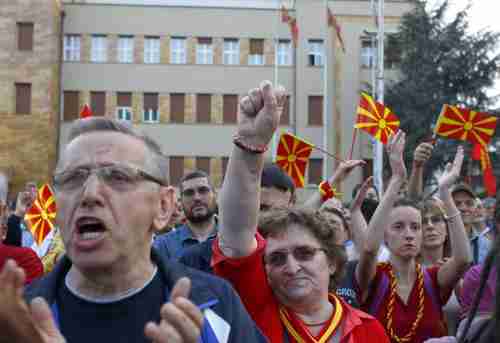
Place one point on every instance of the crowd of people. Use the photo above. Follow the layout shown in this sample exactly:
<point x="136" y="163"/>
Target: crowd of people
<point x="130" y="261"/>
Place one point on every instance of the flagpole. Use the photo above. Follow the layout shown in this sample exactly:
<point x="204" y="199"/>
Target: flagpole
<point x="378" y="149"/>
<point x="326" y="104"/>
<point x="274" y="141"/>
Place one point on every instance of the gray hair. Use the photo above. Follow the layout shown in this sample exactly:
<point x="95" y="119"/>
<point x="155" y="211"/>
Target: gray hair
<point x="155" y="159"/>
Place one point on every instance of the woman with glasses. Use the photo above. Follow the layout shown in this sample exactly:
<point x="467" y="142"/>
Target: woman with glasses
<point x="405" y="296"/>
<point x="284" y="278"/>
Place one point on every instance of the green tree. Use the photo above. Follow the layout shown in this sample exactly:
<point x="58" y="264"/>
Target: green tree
<point x="441" y="63"/>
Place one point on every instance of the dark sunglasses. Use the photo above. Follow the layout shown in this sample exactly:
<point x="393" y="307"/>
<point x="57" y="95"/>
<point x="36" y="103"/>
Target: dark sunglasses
<point x="301" y="253"/>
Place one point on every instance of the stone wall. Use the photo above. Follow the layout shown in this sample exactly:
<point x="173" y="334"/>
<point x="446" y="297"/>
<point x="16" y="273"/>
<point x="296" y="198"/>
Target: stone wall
<point x="28" y="141"/>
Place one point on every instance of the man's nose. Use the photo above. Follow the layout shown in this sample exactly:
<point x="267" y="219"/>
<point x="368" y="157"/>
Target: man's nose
<point x="292" y="266"/>
<point x="91" y="191"/>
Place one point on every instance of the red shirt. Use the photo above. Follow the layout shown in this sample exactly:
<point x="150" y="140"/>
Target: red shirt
<point x="248" y="277"/>
<point x="25" y="258"/>
<point x="432" y="324"/>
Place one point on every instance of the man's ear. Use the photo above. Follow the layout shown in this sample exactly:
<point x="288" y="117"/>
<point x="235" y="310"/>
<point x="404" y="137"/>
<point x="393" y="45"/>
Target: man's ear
<point x="166" y="207"/>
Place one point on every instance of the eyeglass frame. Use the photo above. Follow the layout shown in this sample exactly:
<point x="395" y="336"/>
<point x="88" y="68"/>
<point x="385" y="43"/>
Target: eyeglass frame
<point x="287" y="252"/>
<point x="138" y="171"/>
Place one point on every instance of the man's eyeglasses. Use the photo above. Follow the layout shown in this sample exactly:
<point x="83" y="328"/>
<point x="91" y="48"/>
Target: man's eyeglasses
<point x="190" y="192"/>
<point x="118" y="177"/>
<point x="433" y="220"/>
<point x="301" y="253"/>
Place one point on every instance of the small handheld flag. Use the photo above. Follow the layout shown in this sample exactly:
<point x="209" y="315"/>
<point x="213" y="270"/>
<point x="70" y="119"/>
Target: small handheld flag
<point x="292" y="156"/>
<point x="41" y="216"/>
<point x="86" y="111"/>
<point x="376" y="119"/>
<point x="465" y="125"/>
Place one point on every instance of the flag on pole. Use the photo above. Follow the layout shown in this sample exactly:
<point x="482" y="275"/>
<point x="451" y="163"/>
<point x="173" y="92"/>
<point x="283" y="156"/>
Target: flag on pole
<point x="292" y="156"/>
<point x="86" y="111"/>
<point x="480" y="153"/>
<point x="376" y="119"/>
<point x="465" y="125"/>
<point x="332" y="22"/>
<point x="41" y="215"/>
<point x="292" y="23"/>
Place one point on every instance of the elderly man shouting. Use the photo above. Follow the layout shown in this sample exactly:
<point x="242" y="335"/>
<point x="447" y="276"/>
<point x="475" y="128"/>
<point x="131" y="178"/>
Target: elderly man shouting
<point x="112" y="195"/>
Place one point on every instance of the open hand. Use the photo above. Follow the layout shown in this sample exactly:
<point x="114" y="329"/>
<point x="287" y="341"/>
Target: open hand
<point x="19" y="322"/>
<point x="260" y="113"/>
<point x="181" y="320"/>
<point x="395" y="149"/>
<point x="452" y="170"/>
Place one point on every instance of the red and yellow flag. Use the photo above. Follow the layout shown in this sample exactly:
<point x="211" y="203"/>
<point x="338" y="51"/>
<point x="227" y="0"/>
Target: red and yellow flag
<point x="292" y="156"/>
<point x="376" y="119"/>
<point x="41" y="216"/>
<point x="480" y="153"/>
<point x="86" y="111"/>
<point x="292" y="23"/>
<point x="465" y="125"/>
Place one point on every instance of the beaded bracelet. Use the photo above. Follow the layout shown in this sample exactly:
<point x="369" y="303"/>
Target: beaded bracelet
<point x="254" y="149"/>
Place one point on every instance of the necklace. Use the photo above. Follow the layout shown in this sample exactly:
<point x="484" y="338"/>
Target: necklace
<point x="392" y="299"/>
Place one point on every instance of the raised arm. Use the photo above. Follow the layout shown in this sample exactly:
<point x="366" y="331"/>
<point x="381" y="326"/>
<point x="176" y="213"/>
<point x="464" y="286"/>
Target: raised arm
<point x="416" y="182"/>
<point x="358" y="222"/>
<point x="240" y="194"/>
<point x="341" y="173"/>
<point x="367" y="266"/>
<point x="451" y="272"/>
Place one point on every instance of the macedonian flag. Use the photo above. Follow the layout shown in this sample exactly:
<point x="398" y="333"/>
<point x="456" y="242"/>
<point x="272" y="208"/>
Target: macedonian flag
<point x="376" y="119"/>
<point x="292" y="156"/>
<point x="41" y="216"/>
<point x="465" y="125"/>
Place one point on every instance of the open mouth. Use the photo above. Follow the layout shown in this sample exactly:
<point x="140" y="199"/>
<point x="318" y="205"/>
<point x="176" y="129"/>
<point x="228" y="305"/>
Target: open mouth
<point x="89" y="228"/>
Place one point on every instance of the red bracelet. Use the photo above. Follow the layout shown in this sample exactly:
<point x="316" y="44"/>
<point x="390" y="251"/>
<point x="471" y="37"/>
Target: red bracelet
<point x="254" y="149"/>
<point x="327" y="191"/>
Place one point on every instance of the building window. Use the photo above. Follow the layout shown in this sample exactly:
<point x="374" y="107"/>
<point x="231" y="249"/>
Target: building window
<point x="368" y="53"/>
<point x="316" y="52"/>
<point x="152" y="50"/>
<point x="72" y="48"/>
<point x="178" y="50"/>
<point x="23" y="98"/>
<point x="125" y="49"/>
<point x="392" y="52"/>
<point x="71" y="105"/>
<point x="150" y="111"/>
<point x="256" y="54"/>
<point x="231" y="51"/>
<point x="203" y="163"/>
<point x="284" y="52"/>
<point x="285" y="115"/>
<point x="99" y="49"/>
<point x="124" y="108"/>
<point x="315" y="111"/>
<point x="176" y="169"/>
<point x="177" y="105"/>
<point x="204" y="51"/>
<point x="230" y="109"/>
<point x="98" y="103"/>
<point x="25" y="36"/>
<point x="315" y="171"/>
<point x="203" y="108"/>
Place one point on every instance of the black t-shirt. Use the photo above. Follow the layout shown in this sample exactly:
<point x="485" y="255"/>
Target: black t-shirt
<point x="121" y="321"/>
<point x="347" y="289"/>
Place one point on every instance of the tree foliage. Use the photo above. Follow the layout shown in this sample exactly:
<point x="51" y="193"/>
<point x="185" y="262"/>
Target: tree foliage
<point x="441" y="63"/>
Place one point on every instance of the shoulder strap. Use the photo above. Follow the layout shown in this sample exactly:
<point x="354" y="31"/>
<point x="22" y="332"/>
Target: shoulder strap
<point x="429" y="287"/>
<point x="380" y="292"/>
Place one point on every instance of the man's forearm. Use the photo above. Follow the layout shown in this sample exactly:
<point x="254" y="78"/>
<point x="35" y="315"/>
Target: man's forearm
<point x="239" y="203"/>
<point x="416" y="182"/>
